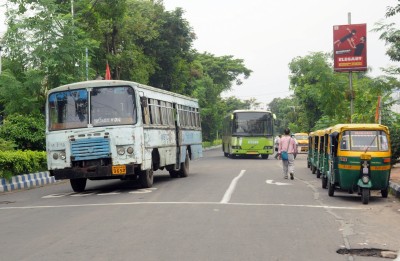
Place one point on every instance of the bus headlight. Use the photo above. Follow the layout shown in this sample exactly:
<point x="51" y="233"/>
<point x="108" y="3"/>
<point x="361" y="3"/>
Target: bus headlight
<point x="59" y="155"/>
<point x="129" y="150"/>
<point x="121" y="151"/>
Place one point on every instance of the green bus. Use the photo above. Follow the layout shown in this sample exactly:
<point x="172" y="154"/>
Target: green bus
<point x="248" y="132"/>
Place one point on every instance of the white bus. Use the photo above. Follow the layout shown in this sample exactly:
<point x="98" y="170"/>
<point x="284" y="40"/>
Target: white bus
<point x="111" y="129"/>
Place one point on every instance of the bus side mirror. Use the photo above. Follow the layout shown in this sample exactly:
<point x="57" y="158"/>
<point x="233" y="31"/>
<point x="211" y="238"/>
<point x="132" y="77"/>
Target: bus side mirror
<point x="143" y="101"/>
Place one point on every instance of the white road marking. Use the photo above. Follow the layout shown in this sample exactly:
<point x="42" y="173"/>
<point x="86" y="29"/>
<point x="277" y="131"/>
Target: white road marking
<point x="140" y="191"/>
<point x="271" y="182"/>
<point x="89" y="193"/>
<point x="109" y="193"/>
<point x="189" y="203"/>
<point x="232" y="186"/>
<point x="83" y="194"/>
<point x="57" y="195"/>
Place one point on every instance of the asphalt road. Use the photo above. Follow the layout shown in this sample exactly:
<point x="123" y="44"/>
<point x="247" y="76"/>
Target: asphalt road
<point x="227" y="209"/>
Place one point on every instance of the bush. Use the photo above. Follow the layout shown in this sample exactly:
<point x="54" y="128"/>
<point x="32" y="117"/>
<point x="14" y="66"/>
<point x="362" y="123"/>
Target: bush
<point x="14" y="163"/>
<point x="27" y="132"/>
<point x="207" y="144"/>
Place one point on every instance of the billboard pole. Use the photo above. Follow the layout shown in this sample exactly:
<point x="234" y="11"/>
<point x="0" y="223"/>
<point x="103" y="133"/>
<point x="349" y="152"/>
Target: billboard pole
<point x="350" y="81"/>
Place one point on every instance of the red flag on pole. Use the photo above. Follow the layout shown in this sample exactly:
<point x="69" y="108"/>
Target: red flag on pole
<point x="108" y="73"/>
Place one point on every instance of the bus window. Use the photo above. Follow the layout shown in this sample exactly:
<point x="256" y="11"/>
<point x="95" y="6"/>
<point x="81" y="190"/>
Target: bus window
<point x="68" y="109"/>
<point x="112" y="106"/>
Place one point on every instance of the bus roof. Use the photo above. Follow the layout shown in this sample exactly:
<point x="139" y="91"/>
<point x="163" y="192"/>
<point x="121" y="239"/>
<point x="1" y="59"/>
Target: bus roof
<point x="105" y="83"/>
<point x="236" y="111"/>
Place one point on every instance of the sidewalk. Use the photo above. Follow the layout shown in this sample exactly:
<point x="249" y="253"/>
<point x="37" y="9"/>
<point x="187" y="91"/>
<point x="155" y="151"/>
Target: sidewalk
<point x="395" y="181"/>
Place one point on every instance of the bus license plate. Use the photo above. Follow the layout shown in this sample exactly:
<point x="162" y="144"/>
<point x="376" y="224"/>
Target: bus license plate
<point x="119" y="170"/>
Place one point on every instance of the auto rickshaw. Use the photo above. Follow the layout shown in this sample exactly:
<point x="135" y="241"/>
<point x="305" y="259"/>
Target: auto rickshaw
<point x="325" y="158"/>
<point x="311" y="152"/>
<point x="360" y="159"/>
<point x="319" y="157"/>
<point x="302" y="142"/>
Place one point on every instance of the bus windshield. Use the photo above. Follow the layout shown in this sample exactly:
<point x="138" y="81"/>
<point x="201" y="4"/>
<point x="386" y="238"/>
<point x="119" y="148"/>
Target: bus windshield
<point x="109" y="106"/>
<point x="253" y="124"/>
<point x="364" y="141"/>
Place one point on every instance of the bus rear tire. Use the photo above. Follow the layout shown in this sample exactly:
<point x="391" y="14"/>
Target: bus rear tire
<point x="184" y="171"/>
<point x="78" y="185"/>
<point x="146" y="178"/>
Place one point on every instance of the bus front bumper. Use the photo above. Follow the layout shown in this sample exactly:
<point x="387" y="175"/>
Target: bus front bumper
<point x="94" y="172"/>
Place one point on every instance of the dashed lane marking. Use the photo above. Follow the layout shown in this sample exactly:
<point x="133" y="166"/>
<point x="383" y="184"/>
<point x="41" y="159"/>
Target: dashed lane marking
<point x="271" y="182"/>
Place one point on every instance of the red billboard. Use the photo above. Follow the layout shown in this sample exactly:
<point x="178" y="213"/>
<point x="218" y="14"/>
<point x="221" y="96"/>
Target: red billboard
<point x="350" y="47"/>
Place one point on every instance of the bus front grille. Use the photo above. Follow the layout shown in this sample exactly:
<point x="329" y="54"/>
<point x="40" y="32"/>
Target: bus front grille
<point x="89" y="149"/>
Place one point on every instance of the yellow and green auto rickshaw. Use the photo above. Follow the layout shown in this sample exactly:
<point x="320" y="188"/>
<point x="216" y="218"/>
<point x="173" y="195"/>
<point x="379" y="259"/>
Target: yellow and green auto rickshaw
<point x="302" y="142"/>
<point x="325" y="158"/>
<point x="320" y="153"/>
<point x="314" y="156"/>
<point x="310" y="153"/>
<point x="360" y="159"/>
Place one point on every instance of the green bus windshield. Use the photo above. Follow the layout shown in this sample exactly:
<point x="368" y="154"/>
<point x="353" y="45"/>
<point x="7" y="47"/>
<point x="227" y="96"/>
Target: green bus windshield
<point x="252" y="124"/>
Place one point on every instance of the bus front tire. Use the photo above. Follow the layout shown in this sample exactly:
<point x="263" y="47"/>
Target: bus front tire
<point x="78" y="185"/>
<point x="146" y="178"/>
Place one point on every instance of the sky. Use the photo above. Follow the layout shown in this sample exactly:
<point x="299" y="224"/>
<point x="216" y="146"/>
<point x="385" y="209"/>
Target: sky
<point x="268" y="34"/>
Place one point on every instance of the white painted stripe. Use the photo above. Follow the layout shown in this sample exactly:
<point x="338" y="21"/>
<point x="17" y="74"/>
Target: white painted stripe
<point x="229" y="191"/>
<point x="116" y="192"/>
<point x="190" y="203"/>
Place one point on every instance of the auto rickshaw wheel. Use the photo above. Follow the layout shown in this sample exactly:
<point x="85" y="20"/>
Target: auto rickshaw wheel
<point x="384" y="193"/>
<point x="365" y="195"/>
<point x="331" y="189"/>
<point x="324" y="182"/>
<point x="318" y="173"/>
<point x="313" y="169"/>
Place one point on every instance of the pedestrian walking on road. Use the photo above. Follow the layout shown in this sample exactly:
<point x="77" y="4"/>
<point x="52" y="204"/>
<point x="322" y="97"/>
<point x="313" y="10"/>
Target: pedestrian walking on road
<point x="287" y="152"/>
<point x="276" y="144"/>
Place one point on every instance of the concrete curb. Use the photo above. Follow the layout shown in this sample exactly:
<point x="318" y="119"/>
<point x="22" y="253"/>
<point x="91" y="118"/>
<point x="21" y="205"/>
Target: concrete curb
<point x="26" y="181"/>
<point x="394" y="189"/>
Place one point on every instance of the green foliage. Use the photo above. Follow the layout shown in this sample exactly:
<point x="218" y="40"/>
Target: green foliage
<point x="27" y="132"/>
<point x="208" y="144"/>
<point x="6" y="145"/>
<point x="21" y="162"/>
